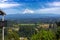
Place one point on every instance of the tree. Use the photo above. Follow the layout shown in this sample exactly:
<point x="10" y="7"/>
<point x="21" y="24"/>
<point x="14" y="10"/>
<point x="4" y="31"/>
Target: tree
<point x="44" y="35"/>
<point x="11" y="35"/>
<point x="26" y="31"/>
<point x="58" y="33"/>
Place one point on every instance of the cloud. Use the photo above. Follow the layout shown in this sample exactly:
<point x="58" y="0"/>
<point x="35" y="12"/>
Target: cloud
<point x="3" y="0"/>
<point x="53" y="10"/>
<point x="28" y="11"/>
<point x="11" y="11"/>
<point x="54" y="4"/>
<point x="8" y="5"/>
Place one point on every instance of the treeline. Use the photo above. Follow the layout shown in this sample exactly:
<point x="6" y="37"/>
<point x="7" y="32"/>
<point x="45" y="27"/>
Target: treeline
<point x="32" y="32"/>
<point x="49" y="34"/>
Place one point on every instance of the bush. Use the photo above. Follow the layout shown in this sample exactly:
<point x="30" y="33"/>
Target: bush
<point x="44" y="35"/>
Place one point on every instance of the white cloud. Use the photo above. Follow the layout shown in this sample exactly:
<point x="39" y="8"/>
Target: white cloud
<point x="53" y="10"/>
<point x="3" y="0"/>
<point x="54" y="4"/>
<point x="28" y="11"/>
<point x="8" y="5"/>
<point x="11" y="11"/>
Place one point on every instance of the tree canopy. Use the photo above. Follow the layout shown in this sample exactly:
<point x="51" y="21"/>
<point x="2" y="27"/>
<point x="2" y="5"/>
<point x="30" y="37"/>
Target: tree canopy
<point x="44" y="35"/>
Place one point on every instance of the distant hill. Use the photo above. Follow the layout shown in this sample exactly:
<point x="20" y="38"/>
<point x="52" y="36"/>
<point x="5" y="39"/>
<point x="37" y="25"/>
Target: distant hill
<point x="33" y="17"/>
<point x="23" y="16"/>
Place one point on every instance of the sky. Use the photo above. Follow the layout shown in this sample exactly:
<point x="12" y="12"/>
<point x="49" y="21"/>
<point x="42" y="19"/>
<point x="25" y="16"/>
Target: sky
<point x="30" y="6"/>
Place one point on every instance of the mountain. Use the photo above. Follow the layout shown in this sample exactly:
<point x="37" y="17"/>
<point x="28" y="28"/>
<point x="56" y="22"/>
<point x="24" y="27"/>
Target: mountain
<point x="24" y="18"/>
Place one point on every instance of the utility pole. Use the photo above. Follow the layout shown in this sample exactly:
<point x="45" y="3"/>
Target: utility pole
<point x="2" y="14"/>
<point x="3" y="28"/>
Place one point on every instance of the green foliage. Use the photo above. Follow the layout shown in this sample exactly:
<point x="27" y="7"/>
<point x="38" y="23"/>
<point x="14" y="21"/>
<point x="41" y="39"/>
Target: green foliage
<point x="58" y="33"/>
<point x="26" y="31"/>
<point x="58" y="30"/>
<point x="44" y="35"/>
<point x="13" y="35"/>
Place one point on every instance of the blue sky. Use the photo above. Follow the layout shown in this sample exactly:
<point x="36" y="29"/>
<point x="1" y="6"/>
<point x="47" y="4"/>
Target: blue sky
<point x="30" y="6"/>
